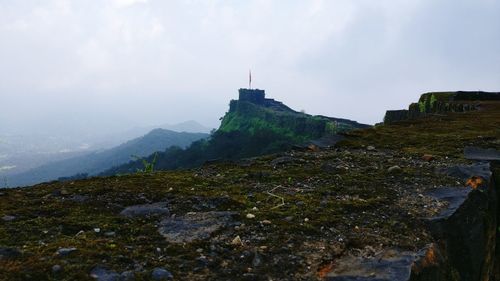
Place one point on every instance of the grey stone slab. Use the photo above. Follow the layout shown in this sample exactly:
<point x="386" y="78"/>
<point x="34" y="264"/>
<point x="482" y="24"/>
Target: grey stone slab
<point x="194" y="226"/>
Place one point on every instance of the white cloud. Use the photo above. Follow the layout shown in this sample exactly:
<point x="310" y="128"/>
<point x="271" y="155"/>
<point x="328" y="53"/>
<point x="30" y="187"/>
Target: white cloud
<point x="340" y="57"/>
<point x="94" y="57"/>
<point x="127" y="3"/>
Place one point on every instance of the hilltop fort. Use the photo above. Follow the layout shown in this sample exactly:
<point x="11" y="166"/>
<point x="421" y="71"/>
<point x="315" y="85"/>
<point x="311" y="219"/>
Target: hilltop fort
<point x="258" y="97"/>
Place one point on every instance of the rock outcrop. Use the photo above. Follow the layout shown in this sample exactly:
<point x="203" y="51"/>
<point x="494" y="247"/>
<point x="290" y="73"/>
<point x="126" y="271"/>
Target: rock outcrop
<point x="464" y="233"/>
<point x="466" y="230"/>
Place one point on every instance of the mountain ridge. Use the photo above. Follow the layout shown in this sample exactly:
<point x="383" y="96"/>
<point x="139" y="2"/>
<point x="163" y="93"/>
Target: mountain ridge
<point x="96" y="162"/>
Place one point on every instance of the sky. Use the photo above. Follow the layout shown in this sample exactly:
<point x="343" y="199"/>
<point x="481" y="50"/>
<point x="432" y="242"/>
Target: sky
<point x="104" y="66"/>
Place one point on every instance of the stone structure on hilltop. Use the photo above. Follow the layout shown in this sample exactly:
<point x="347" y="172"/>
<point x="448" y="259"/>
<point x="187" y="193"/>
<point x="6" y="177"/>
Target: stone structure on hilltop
<point x="258" y="97"/>
<point x="441" y="103"/>
<point x="252" y="95"/>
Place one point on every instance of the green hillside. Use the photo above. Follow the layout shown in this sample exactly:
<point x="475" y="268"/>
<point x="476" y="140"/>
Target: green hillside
<point x="254" y="125"/>
<point x="251" y="116"/>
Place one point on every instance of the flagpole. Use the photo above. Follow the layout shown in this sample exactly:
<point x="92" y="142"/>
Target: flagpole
<point x="250" y="79"/>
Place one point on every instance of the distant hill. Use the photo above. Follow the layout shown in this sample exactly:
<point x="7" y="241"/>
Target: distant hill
<point x="189" y="126"/>
<point x="116" y="138"/>
<point x="254" y="125"/>
<point x="22" y="152"/>
<point x="96" y="162"/>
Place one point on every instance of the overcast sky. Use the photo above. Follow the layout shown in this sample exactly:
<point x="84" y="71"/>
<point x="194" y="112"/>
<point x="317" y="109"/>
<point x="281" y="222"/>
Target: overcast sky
<point x="110" y="65"/>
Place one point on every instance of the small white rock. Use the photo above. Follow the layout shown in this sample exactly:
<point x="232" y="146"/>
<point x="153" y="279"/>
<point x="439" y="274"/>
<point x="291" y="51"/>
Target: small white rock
<point x="237" y="241"/>
<point x="250" y="216"/>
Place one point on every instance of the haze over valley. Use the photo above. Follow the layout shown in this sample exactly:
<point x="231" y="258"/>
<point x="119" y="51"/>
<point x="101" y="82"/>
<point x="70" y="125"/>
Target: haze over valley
<point x="21" y="153"/>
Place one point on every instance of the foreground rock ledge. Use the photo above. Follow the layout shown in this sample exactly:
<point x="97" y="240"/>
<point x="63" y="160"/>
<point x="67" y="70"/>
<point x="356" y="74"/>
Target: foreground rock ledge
<point x="465" y="233"/>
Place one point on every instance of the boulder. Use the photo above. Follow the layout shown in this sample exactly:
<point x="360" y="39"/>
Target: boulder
<point x="161" y="274"/>
<point x="194" y="226"/>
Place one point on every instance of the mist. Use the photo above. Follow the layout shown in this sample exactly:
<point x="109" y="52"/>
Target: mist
<point x="86" y="67"/>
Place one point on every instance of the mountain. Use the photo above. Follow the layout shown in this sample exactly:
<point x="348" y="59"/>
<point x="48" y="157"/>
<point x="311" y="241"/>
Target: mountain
<point x="22" y="152"/>
<point x="189" y="126"/>
<point x="96" y="162"/>
<point x="115" y="138"/>
<point x="254" y="125"/>
<point x="415" y="199"/>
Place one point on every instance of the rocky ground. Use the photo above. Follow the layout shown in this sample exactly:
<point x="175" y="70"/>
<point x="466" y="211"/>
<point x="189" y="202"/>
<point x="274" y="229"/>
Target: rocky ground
<point x="300" y="215"/>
